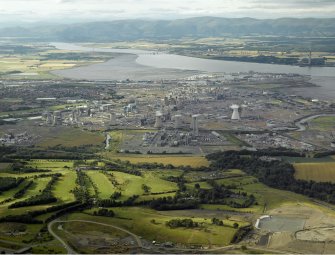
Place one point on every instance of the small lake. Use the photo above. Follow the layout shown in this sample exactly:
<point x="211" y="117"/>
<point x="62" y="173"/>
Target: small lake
<point x="281" y="223"/>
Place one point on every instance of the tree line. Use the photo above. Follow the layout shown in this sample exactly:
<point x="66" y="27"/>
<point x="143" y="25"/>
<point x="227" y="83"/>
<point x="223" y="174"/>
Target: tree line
<point x="45" y="197"/>
<point x="276" y="174"/>
<point x="7" y="183"/>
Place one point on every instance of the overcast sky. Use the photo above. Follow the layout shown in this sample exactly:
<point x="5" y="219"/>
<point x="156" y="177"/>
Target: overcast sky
<point x="88" y="10"/>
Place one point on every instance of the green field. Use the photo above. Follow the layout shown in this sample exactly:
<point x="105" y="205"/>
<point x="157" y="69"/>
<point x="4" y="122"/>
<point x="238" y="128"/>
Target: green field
<point x="194" y="176"/>
<point x="76" y="232"/>
<point x="193" y="161"/>
<point x="139" y="221"/>
<point x="132" y="185"/>
<point x="267" y="198"/>
<point x="70" y="137"/>
<point x="142" y="221"/>
<point x="51" y="164"/>
<point x="323" y="123"/>
<point x="105" y="187"/>
<point x="38" y="64"/>
<point x="203" y="185"/>
<point x="64" y="186"/>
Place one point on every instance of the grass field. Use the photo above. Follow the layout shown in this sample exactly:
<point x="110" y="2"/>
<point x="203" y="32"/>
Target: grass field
<point x="267" y="198"/>
<point x="320" y="172"/>
<point x="270" y="198"/>
<point x="51" y="164"/>
<point x="70" y="137"/>
<point x="203" y="185"/>
<point x="105" y="187"/>
<point x="76" y="232"/>
<point x="293" y="160"/>
<point x="4" y="166"/>
<point x="195" y="176"/>
<point x="34" y="65"/>
<point x="167" y="172"/>
<point x="64" y="186"/>
<point x="132" y="185"/>
<point x="193" y="161"/>
<point x="323" y="123"/>
<point x="139" y="221"/>
<point x="10" y="193"/>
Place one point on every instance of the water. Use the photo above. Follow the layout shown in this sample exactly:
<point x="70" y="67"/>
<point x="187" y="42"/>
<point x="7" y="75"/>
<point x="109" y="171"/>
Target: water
<point x="153" y="65"/>
<point x="162" y="60"/>
<point x="281" y="223"/>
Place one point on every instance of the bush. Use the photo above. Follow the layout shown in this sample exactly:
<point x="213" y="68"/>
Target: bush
<point x="185" y="223"/>
<point x="104" y="212"/>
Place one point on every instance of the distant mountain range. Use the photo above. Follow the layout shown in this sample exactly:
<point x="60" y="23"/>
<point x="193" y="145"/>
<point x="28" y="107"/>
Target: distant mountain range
<point x="174" y="29"/>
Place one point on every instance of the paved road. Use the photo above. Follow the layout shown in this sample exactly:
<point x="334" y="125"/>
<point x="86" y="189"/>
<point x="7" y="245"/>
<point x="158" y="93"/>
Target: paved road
<point x="300" y="123"/>
<point x="139" y="242"/>
<point x="66" y="246"/>
<point x="70" y="250"/>
<point x="224" y="248"/>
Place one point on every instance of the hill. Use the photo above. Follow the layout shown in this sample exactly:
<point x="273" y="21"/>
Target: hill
<point x="174" y="29"/>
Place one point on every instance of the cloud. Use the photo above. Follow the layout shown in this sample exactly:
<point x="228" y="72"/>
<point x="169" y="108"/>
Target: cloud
<point x="78" y="10"/>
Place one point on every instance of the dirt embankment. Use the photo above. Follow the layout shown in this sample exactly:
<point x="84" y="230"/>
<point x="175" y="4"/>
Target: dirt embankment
<point x="317" y="236"/>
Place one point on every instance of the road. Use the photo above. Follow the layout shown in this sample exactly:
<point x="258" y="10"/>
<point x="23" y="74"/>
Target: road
<point x="140" y="245"/>
<point x="70" y="250"/>
<point x="301" y="123"/>
<point x="66" y="246"/>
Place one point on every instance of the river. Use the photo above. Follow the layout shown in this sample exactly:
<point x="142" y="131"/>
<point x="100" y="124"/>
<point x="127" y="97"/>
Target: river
<point x="143" y="63"/>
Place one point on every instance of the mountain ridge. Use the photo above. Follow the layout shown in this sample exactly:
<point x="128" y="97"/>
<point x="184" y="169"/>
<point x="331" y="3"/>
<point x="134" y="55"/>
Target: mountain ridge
<point x="198" y="27"/>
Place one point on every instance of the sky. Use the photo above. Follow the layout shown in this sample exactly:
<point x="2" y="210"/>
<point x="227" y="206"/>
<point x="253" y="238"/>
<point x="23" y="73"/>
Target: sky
<point x="30" y="11"/>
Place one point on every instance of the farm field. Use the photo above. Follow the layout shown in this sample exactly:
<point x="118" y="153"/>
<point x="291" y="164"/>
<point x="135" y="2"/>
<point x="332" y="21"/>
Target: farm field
<point x="319" y="172"/>
<point x="37" y="64"/>
<point x="138" y="218"/>
<point x="193" y="161"/>
<point x="70" y="137"/>
<point x="51" y="164"/>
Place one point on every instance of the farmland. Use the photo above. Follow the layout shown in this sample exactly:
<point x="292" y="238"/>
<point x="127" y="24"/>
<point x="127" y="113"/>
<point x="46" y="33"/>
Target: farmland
<point x="102" y="184"/>
<point x="71" y="137"/>
<point x="36" y="63"/>
<point x="102" y="181"/>
<point x="193" y="161"/>
<point x="319" y="172"/>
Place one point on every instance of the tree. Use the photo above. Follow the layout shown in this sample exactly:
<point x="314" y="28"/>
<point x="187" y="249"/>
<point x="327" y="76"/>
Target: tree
<point x="197" y="186"/>
<point x="104" y="212"/>
<point x="146" y="188"/>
